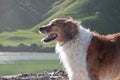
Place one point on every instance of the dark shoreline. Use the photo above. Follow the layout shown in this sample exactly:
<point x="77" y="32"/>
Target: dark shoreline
<point x="24" y="48"/>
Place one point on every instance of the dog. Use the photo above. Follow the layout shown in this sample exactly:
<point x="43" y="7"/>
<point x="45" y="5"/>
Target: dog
<point x="86" y="55"/>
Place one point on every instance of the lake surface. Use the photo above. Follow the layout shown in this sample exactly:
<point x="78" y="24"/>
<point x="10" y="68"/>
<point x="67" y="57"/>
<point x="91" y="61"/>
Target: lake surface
<point x="9" y="57"/>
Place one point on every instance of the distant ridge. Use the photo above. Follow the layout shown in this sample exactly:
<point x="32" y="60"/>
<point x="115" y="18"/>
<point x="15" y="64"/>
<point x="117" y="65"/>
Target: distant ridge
<point x="102" y="16"/>
<point x="22" y="14"/>
<point x="98" y="15"/>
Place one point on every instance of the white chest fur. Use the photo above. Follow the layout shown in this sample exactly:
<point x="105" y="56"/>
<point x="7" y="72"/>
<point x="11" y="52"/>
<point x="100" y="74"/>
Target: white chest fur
<point x="73" y="55"/>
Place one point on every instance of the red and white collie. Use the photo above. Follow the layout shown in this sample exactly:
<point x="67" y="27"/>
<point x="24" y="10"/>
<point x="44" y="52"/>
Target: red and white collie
<point x="85" y="55"/>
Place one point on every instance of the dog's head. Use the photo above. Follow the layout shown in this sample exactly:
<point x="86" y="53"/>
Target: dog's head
<point x="60" y="30"/>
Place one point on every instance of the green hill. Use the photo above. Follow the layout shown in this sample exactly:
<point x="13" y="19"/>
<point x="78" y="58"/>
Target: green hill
<point x="98" y="15"/>
<point x="22" y="14"/>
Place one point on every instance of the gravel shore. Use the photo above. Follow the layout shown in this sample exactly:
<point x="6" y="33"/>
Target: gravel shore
<point x="55" y="75"/>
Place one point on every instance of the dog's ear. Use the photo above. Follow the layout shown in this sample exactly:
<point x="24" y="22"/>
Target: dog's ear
<point x="70" y="18"/>
<point x="70" y="23"/>
<point x="71" y="29"/>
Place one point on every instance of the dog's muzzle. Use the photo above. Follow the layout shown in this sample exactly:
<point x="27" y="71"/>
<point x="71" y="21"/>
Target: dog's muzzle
<point x="41" y="29"/>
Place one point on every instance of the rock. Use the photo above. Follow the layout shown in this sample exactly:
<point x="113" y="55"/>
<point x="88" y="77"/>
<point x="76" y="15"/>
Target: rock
<point x="55" y="75"/>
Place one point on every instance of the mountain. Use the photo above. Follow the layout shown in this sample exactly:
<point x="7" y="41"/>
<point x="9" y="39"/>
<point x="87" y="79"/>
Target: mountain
<point x="22" y="14"/>
<point x="98" y="15"/>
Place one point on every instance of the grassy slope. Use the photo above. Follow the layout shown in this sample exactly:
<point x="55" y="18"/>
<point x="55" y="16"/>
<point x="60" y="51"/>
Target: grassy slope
<point x="22" y="14"/>
<point x="101" y="16"/>
<point x="70" y="8"/>
<point x="21" y="36"/>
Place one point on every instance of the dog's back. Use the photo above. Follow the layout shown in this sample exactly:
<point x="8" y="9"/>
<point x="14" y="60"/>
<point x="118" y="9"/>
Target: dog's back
<point x="104" y="57"/>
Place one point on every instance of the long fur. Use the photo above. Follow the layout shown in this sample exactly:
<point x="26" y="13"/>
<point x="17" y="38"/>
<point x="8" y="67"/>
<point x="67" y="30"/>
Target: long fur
<point x="86" y="55"/>
<point x="73" y="55"/>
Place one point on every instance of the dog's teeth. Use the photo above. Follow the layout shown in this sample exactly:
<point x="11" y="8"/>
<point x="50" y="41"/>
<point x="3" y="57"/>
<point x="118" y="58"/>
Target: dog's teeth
<point x="54" y="35"/>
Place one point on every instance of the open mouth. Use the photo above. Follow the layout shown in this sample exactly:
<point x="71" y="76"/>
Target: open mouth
<point x="50" y="37"/>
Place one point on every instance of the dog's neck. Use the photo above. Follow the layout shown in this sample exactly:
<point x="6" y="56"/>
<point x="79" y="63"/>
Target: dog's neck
<point x="83" y="35"/>
<point x="74" y="52"/>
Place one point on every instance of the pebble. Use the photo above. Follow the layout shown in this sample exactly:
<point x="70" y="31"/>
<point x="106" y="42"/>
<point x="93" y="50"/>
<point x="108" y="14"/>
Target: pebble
<point x="55" y="75"/>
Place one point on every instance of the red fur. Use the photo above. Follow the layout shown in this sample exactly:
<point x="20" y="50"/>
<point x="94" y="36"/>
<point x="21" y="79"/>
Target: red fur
<point x="104" y="57"/>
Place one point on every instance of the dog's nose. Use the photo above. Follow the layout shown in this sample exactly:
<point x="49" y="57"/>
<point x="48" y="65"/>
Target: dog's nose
<point x="41" y="29"/>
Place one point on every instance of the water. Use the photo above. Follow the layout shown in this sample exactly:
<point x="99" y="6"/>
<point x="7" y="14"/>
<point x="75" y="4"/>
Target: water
<point x="10" y="57"/>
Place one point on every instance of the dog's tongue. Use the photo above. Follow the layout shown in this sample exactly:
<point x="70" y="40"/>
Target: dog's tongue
<point x="50" y="37"/>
